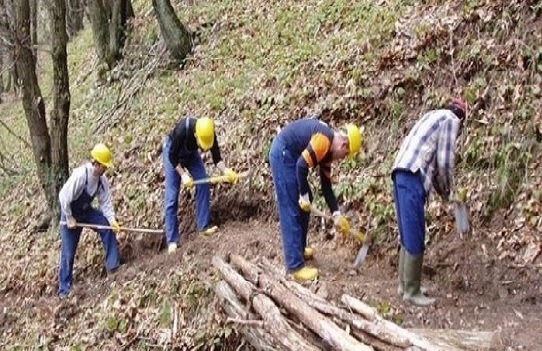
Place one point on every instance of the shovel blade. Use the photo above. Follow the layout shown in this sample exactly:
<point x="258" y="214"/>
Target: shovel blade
<point x="461" y="218"/>
<point x="362" y="254"/>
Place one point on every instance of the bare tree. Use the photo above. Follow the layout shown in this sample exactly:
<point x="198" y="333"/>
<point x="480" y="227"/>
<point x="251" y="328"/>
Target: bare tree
<point x="33" y="104"/>
<point x="109" y="20"/>
<point x="50" y="151"/>
<point x="34" y="26"/>
<point x="60" y="113"/>
<point x="7" y="31"/>
<point x="1" y="73"/>
<point x="175" y="34"/>
<point x="75" y="11"/>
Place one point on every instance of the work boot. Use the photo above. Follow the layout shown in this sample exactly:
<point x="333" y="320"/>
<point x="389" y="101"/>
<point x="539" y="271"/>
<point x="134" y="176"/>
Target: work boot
<point x="171" y="248"/>
<point x="306" y="274"/>
<point x="308" y="254"/>
<point x="412" y="275"/>
<point x="209" y="230"/>
<point x="401" y="274"/>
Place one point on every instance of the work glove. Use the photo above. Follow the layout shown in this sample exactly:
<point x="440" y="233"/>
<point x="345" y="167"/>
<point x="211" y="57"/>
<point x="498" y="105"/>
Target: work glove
<point x="115" y="225"/>
<point x="341" y="223"/>
<point x="461" y="195"/>
<point x="71" y="222"/>
<point x="187" y="180"/>
<point x="305" y="202"/>
<point x="233" y="177"/>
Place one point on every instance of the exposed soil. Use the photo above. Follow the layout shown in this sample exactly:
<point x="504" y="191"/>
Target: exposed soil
<point x="474" y="290"/>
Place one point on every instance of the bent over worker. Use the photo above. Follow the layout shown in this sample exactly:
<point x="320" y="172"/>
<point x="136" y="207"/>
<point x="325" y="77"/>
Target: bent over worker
<point x="425" y="160"/>
<point x="84" y="184"/>
<point x="302" y="145"/>
<point x="183" y="164"/>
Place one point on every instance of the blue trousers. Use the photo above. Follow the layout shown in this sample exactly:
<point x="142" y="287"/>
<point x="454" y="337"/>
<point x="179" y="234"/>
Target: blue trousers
<point x="294" y="222"/>
<point x="70" y="240"/>
<point x="409" y="195"/>
<point x="196" y="168"/>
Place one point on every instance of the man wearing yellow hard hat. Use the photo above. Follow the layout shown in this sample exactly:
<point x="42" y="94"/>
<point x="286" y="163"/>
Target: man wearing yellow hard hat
<point x="87" y="182"/>
<point x="183" y="164"/>
<point x="302" y="145"/>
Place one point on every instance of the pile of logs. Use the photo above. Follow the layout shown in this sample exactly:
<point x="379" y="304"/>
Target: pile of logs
<point x="279" y="314"/>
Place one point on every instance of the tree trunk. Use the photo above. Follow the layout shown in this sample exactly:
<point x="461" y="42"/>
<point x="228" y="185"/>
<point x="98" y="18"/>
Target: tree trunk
<point x="175" y="34"/>
<point x="74" y="16"/>
<point x="33" y="104"/>
<point x="118" y="27"/>
<point x="1" y="75"/>
<point x="8" y="29"/>
<point x="99" y="20"/>
<point x="34" y="26"/>
<point x="61" y="99"/>
<point x="109" y="24"/>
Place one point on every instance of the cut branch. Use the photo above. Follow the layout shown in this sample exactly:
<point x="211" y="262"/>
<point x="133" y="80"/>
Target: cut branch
<point x="317" y="322"/>
<point x="275" y="322"/>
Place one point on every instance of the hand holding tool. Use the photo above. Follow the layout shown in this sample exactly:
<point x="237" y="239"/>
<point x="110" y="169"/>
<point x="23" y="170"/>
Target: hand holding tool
<point x="305" y="202"/>
<point x="115" y="226"/>
<point x="187" y="180"/>
<point x="233" y="177"/>
<point x="341" y="223"/>
<point x="71" y="223"/>
<point x="98" y="226"/>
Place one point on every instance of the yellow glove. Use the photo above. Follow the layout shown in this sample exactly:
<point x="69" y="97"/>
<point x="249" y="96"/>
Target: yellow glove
<point x="115" y="225"/>
<point x="305" y="202"/>
<point x="360" y="237"/>
<point x="341" y="223"/>
<point x="71" y="222"/>
<point x="232" y="175"/>
<point x="187" y="180"/>
<point x="461" y="195"/>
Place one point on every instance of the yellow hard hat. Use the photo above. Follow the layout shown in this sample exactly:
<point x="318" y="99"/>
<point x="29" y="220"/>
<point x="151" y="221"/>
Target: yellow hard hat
<point x="355" y="139"/>
<point x="205" y="132"/>
<point x="101" y="154"/>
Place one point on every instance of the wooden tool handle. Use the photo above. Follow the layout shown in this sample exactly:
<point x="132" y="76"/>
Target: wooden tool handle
<point x="98" y="226"/>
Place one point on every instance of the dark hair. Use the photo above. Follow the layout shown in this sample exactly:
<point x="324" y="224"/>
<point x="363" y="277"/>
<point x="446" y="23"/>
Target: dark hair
<point x="457" y="110"/>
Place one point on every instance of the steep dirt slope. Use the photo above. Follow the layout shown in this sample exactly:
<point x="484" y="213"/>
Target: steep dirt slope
<point x="254" y="68"/>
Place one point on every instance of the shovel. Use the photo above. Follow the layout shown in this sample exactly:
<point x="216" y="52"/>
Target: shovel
<point x="98" y="226"/>
<point x="217" y="179"/>
<point x="362" y="253"/>
<point x="461" y="217"/>
<point x="461" y="212"/>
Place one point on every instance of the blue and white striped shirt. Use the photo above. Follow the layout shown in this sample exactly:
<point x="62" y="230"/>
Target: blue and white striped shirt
<point x="430" y="149"/>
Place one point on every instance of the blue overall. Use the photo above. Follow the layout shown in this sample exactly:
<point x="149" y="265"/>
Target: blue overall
<point x="196" y="168"/>
<point x="83" y="212"/>
<point x="294" y="222"/>
<point x="410" y="197"/>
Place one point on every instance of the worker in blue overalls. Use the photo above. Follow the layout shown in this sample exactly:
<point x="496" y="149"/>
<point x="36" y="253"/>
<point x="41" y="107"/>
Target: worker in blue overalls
<point x="85" y="183"/>
<point x="302" y="145"/>
<point x="183" y="164"/>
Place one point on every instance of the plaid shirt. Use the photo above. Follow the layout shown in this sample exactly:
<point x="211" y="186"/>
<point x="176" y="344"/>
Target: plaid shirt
<point x="430" y="149"/>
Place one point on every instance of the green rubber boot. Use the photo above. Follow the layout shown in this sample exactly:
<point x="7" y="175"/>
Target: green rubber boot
<point x="412" y="275"/>
<point x="401" y="270"/>
<point x="401" y="273"/>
